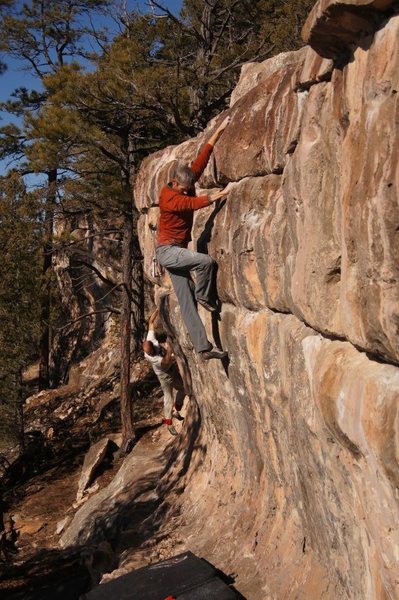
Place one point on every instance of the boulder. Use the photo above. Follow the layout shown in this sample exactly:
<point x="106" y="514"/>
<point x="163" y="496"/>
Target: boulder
<point x="101" y="515"/>
<point x="298" y="479"/>
<point x="335" y="26"/>
<point x="93" y="459"/>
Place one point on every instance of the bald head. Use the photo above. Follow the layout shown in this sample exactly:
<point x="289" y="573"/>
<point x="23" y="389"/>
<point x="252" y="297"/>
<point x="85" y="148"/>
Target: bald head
<point x="148" y="348"/>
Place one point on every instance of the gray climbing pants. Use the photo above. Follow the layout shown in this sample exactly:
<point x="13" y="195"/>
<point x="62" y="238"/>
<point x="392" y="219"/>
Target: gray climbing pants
<point x="180" y="262"/>
<point x="169" y="382"/>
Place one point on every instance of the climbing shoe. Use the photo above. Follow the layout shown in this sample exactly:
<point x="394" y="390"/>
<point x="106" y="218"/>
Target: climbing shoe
<point x="172" y="430"/>
<point x="177" y="415"/>
<point x="214" y="353"/>
<point x="211" y="306"/>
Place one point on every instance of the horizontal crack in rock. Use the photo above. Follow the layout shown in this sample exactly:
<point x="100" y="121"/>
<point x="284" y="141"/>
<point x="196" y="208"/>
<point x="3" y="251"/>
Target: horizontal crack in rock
<point x="375" y="356"/>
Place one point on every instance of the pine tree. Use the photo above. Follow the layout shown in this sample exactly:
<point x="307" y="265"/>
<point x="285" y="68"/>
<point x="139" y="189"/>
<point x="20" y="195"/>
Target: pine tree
<point x="44" y="35"/>
<point x="199" y="54"/>
<point x="20" y="276"/>
<point x="4" y="4"/>
<point x="106" y="131"/>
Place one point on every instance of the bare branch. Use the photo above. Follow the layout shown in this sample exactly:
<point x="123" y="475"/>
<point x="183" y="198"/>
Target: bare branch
<point x="166" y="11"/>
<point x="97" y="272"/>
<point x="108" y="309"/>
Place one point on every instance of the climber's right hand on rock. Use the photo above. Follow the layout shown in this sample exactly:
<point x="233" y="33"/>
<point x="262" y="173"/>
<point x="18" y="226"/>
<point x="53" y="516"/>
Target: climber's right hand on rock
<point x="153" y="316"/>
<point x="217" y="195"/>
<point x="223" y="125"/>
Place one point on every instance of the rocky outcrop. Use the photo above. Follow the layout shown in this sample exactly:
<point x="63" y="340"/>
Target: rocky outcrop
<point x="101" y="515"/>
<point x="298" y="478"/>
<point x="335" y="27"/>
<point x="92" y="461"/>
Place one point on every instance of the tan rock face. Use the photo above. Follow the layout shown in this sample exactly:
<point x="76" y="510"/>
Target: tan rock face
<point x="254" y="73"/>
<point x="273" y="110"/>
<point x="298" y="482"/>
<point x="370" y="279"/>
<point x="92" y="460"/>
<point x="334" y="26"/>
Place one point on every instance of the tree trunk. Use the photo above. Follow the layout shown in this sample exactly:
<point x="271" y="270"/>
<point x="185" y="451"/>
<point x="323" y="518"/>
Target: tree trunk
<point x="132" y="310"/>
<point x="126" y="331"/>
<point x="137" y="287"/>
<point x="20" y="414"/>
<point x="137" y="278"/>
<point x="44" y="343"/>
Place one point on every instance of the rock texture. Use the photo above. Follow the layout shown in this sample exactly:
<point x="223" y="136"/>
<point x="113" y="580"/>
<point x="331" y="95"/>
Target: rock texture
<point x="334" y="27"/>
<point x="93" y="459"/>
<point x="296" y="484"/>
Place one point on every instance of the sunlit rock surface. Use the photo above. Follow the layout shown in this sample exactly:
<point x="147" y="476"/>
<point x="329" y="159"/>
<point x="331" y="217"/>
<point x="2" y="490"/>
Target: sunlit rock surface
<point x="335" y="26"/>
<point x="295" y="486"/>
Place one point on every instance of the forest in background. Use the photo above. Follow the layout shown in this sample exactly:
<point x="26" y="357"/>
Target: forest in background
<point x="101" y="104"/>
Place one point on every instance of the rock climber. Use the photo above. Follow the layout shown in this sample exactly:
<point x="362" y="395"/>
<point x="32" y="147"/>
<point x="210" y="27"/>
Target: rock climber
<point x="163" y="364"/>
<point x="177" y="203"/>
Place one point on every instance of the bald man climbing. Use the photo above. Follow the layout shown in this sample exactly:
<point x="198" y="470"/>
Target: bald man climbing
<point x="177" y="203"/>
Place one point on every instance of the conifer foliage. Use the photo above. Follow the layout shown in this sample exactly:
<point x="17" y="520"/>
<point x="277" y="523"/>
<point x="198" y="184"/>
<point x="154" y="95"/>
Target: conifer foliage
<point x="199" y="55"/>
<point x="43" y="35"/>
<point x="20" y="276"/>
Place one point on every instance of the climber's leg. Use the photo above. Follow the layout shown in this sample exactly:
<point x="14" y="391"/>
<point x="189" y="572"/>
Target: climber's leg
<point x="182" y="284"/>
<point x="174" y="257"/>
<point x="169" y="257"/>
<point x="167" y="387"/>
<point x="179" y="404"/>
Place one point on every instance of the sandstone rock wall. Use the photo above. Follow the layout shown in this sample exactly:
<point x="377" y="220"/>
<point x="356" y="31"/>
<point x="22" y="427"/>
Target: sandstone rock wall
<point x="297" y="487"/>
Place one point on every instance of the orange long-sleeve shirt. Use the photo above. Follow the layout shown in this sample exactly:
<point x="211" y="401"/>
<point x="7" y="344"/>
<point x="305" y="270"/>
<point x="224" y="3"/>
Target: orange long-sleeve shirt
<point x="177" y="210"/>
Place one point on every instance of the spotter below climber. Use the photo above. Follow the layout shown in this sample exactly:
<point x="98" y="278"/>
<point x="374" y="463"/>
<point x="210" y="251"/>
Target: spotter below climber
<point x="163" y="364"/>
<point x="177" y="203"/>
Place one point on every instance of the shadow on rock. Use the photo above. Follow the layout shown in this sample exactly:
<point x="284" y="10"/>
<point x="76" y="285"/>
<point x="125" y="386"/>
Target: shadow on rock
<point x="133" y="509"/>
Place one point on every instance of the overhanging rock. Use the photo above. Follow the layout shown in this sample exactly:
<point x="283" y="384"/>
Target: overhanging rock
<point x="334" y="27"/>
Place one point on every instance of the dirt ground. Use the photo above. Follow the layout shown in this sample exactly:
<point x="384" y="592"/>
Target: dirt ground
<point x="43" y="496"/>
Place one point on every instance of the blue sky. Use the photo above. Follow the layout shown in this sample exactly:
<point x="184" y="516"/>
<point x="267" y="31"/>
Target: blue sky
<point x="16" y="76"/>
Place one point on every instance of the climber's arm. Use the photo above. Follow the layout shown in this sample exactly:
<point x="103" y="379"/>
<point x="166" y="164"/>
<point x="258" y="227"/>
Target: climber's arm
<point x="182" y="202"/>
<point x="218" y="195"/>
<point x="169" y="357"/>
<point x="202" y="159"/>
<point x="152" y="319"/>
<point x="214" y="138"/>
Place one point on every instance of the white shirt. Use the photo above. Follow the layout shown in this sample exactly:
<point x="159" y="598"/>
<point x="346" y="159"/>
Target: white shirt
<point x="155" y="360"/>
